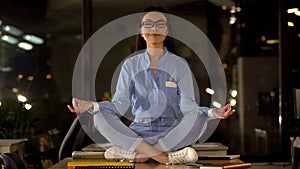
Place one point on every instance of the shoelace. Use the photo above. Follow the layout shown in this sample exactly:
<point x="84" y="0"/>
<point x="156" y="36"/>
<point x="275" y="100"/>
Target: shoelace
<point x="125" y="156"/>
<point x="177" y="158"/>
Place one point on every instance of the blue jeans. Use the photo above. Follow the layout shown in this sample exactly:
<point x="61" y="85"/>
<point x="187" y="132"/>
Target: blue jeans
<point x="152" y="129"/>
<point x="170" y="135"/>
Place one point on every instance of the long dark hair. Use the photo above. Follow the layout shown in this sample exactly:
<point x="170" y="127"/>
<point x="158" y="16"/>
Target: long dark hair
<point x="168" y="42"/>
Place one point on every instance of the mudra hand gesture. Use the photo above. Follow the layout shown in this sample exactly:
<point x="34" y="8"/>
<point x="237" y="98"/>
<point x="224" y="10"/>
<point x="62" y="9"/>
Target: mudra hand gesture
<point x="223" y="112"/>
<point x="80" y="106"/>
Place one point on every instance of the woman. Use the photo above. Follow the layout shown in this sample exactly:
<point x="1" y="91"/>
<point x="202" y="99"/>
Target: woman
<point x="158" y="84"/>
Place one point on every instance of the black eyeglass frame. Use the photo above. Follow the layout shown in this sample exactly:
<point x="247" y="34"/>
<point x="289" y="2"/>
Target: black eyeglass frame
<point x="156" y="23"/>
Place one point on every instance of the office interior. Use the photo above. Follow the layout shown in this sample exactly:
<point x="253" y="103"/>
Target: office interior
<point x="257" y="42"/>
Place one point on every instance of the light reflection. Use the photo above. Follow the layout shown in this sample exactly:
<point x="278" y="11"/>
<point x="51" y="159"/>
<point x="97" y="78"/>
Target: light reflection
<point x="12" y="30"/>
<point x="25" y="46"/>
<point x="10" y="39"/>
<point x="33" y="39"/>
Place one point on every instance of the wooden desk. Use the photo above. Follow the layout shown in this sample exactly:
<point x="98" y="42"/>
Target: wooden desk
<point x="63" y="164"/>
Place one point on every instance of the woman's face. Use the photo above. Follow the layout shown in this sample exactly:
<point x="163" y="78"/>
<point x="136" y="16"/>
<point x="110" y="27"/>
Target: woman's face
<point x="154" y="28"/>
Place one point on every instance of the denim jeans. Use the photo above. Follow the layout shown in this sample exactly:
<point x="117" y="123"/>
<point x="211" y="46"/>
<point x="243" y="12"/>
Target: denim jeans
<point x="169" y="134"/>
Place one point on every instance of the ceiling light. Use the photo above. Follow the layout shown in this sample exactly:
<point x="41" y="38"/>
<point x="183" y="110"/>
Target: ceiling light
<point x="297" y="13"/>
<point x="210" y="91"/>
<point x="232" y="20"/>
<point x="272" y="41"/>
<point x="216" y="104"/>
<point x="12" y="30"/>
<point x="292" y="10"/>
<point x="233" y="9"/>
<point x="21" y="98"/>
<point x="30" y="78"/>
<point x="15" y="90"/>
<point x="6" y="68"/>
<point x="233" y="93"/>
<point x="291" y="24"/>
<point x="33" y="39"/>
<point x="27" y="106"/>
<point x="224" y="7"/>
<point x="25" y="46"/>
<point x="232" y="102"/>
<point x="10" y="39"/>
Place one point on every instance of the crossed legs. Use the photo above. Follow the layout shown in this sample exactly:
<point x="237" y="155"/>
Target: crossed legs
<point x="184" y="134"/>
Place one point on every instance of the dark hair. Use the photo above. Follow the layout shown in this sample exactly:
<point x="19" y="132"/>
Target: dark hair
<point x="168" y="42"/>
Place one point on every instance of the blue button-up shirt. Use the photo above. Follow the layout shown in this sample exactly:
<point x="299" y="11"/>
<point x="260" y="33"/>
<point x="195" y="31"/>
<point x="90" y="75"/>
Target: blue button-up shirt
<point x="166" y="95"/>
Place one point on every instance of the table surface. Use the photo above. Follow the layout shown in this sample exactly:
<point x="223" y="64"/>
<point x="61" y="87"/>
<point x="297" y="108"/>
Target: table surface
<point x="63" y="164"/>
<point x="9" y="142"/>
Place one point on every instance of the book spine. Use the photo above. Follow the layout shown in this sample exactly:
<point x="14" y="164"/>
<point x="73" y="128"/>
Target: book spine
<point x="103" y="167"/>
<point x="240" y="166"/>
<point x="88" y="156"/>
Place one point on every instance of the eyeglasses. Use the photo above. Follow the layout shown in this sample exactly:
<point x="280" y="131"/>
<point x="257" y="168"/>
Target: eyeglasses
<point x="150" y="24"/>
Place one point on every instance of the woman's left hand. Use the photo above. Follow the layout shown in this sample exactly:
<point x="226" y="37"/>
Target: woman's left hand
<point x="223" y="112"/>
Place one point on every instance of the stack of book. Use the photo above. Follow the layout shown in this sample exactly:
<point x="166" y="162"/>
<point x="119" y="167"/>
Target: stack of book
<point x="210" y="148"/>
<point x="99" y="165"/>
<point x="92" y="157"/>
<point x="91" y="152"/>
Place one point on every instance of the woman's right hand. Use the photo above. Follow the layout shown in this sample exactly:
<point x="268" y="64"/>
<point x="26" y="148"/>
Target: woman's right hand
<point x="80" y="106"/>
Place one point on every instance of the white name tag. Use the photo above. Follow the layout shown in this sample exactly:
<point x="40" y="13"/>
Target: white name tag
<point x="171" y="84"/>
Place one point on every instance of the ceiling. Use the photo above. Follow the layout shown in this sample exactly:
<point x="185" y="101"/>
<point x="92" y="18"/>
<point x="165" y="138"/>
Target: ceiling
<point x="55" y="16"/>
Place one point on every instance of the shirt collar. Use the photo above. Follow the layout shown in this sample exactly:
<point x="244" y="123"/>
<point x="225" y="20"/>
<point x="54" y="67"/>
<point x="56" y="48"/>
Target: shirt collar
<point x="160" y="62"/>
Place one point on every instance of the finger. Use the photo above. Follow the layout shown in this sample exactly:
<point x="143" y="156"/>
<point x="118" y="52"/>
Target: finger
<point x="227" y="107"/>
<point x="75" y="103"/>
<point x="229" y="113"/>
<point x="71" y="109"/>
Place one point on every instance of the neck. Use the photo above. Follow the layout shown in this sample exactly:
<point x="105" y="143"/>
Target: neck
<point x="155" y="53"/>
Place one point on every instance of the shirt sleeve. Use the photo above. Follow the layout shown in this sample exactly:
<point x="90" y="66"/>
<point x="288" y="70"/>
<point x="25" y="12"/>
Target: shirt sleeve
<point x="121" y="99"/>
<point x="186" y="87"/>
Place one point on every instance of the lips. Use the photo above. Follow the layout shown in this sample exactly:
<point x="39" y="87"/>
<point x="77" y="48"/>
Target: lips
<point x="154" y="34"/>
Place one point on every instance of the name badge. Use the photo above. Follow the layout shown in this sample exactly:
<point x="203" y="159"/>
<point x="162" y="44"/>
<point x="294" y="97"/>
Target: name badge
<point x="171" y="84"/>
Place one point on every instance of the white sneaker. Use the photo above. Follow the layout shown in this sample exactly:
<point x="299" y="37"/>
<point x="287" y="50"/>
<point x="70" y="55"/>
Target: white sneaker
<point x="186" y="155"/>
<point x="119" y="154"/>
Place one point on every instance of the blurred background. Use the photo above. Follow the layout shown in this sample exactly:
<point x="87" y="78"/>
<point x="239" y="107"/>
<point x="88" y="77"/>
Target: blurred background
<point x="258" y="43"/>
